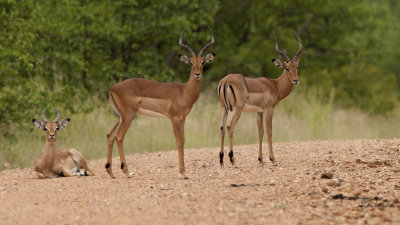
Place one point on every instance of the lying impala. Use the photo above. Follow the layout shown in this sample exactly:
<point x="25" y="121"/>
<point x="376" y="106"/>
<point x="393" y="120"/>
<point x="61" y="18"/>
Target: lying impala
<point x="164" y="100"/>
<point x="260" y="95"/>
<point x="55" y="162"/>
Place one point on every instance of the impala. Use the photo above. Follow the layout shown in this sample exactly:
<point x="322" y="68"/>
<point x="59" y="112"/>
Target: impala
<point x="55" y="162"/>
<point x="164" y="100"/>
<point x="261" y="95"/>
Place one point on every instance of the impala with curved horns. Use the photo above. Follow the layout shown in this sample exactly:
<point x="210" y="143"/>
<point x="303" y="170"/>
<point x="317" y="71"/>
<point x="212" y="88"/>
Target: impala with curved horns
<point x="164" y="100"/>
<point x="54" y="162"/>
<point x="243" y="94"/>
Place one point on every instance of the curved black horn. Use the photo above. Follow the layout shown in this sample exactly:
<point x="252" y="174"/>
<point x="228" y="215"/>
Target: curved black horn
<point x="185" y="46"/>
<point x="282" y="53"/>
<point x="296" y="56"/>
<point x="43" y="116"/>
<point x="58" y="116"/>
<point x="209" y="44"/>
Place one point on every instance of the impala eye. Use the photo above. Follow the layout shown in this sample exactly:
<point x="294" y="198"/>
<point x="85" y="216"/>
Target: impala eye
<point x="287" y="69"/>
<point x="298" y="68"/>
<point x="202" y="63"/>
<point x="191" y="63"/>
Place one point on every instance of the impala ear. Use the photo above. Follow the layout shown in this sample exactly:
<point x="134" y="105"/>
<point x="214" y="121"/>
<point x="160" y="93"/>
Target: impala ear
<point x="39" y="124"/>
<point x="63" y="123"/>
<point x="279" y="63"/>
<point x="184" y="59"/>
<point x="209" y="57"/>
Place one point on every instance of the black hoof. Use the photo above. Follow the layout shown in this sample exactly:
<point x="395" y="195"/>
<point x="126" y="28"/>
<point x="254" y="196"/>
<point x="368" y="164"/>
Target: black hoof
<point x="231" y="156"/>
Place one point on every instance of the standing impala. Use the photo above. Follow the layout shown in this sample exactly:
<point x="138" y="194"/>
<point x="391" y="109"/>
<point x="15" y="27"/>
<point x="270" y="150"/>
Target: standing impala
<point x="260" y="95"/>
<point x="54" y="162"/>
<point x="164" y="100"/>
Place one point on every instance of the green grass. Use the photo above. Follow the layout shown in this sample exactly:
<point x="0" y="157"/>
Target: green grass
<point x="301" y="116"/>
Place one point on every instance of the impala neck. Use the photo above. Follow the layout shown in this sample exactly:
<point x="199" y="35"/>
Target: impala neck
<point x="49" y="152"/>
<point x="285" y="85"/>
<point x="192" y="89"/>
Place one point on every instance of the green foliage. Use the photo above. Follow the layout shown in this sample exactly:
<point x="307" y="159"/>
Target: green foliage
<point x="364" y="85"/>
<point x="67" y="54"/>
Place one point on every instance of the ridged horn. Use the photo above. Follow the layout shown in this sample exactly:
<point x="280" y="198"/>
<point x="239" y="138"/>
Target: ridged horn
<point x="58" y="116"/>
<point x="282" y="53"/>
<point x="185" y="46"/>
<point x="296" y="56"/>
<point x="209" y="44"/>
<point x="44" y="117"/>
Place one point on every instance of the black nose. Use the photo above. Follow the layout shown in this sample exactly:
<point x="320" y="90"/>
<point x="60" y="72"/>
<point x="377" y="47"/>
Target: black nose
<point x="197" y="74"/>
<point x="296" y="81"/>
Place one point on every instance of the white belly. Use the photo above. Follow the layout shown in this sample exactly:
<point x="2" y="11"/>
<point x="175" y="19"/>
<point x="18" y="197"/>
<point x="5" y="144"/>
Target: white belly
<point x="252" y="108"/>
<point x="151" y="113"/>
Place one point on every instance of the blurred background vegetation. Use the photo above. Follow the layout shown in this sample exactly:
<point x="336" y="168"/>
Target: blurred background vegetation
<point x="68" y="54"/>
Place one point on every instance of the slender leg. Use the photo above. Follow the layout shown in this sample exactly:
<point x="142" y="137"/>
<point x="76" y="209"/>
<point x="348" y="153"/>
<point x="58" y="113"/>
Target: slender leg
<point x="231" y="127"/>
<point x="260" y="136"/>
<point x="268" y="120"/>
<point x="81" y="161"/>
<point x="40" y="175"/>
<point x="224" y="112"/>
<point x="110" y="144"/>
<point x="178" y="128"/>
<point x="125" y="123"/>
<point x="67" y="173"/>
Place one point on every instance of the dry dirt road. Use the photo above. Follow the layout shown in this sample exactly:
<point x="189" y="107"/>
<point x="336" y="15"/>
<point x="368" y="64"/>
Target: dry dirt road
<point x="365" y="188"/>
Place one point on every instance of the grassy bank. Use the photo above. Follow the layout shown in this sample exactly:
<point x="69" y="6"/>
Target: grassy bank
<point x="299" y="117"/>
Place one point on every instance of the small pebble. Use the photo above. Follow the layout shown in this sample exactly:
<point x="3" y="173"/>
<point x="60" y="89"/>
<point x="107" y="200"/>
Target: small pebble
<point x="326" y="175"/>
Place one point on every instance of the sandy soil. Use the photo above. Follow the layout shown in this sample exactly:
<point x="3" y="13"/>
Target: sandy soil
<point x="365" y="188"/>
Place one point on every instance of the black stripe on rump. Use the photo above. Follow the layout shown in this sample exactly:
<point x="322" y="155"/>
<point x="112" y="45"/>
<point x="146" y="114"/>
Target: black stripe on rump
<point x="226" y="103"/>
<point x="234" y="96"/>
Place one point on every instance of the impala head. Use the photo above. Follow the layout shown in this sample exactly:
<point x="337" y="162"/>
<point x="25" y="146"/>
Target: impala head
<point x="290" y="66"/>
<point x="51" y="127"/>
<point x="196" y="61"/>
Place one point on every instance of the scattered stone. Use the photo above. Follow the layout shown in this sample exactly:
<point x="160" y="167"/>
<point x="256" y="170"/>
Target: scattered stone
<point x="272" y="183"/>
<point x="358" y="161"/>
<point x="377" y="163"/>
<point x="325" y="190"/>
<point x="338" y="196"/>
<point x="326" y="175"/>
<point x="387" y="163"/>
<point x="331" y="183"/>
<point x="237" y="185"/>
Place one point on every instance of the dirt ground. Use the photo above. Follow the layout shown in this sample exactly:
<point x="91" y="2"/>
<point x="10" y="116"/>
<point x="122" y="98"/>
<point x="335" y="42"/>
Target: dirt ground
<point x="364" y="188"/>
